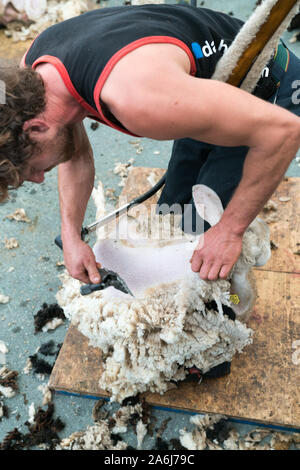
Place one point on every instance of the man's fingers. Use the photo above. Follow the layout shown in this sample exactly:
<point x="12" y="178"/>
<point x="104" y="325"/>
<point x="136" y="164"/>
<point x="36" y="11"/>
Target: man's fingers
<point x="84" y="278"/>
<point x="225" y="270"/>
<point x="81" y="275"/>
<point x="81" y="263"/>
<point x="215" y="259"/>
<point x="205" y="269"/>
<point x="214" y="271"/>
<point x="201" y="266"/>
<point x="87" y="273"/>
<point x="88" y="276"/>
<point x="196" y="261"/>
<point x="208" y="270"/>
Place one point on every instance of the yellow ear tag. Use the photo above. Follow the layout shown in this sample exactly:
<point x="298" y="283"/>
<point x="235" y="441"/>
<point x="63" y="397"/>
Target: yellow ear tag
<point x="234" y="298"/>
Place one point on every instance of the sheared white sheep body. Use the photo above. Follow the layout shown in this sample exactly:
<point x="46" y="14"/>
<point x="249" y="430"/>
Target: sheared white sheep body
<point x="150" y="339"/>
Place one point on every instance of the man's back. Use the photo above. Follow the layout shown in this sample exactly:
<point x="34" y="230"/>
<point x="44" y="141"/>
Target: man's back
<point x="85" y="49"/>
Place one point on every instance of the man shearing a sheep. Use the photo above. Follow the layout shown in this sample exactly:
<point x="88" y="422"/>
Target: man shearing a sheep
<point x="145" y="71"/>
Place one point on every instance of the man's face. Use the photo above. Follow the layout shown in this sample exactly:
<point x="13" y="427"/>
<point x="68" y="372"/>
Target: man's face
<point x="51" y="151"/>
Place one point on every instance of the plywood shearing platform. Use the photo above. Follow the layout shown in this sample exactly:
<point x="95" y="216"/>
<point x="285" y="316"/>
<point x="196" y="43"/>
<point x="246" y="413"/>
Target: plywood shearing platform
<point x="263" y="385"/>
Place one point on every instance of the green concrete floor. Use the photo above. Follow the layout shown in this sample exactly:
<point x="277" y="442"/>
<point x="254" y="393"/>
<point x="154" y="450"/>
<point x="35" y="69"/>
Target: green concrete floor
<point x="34" y="277"/>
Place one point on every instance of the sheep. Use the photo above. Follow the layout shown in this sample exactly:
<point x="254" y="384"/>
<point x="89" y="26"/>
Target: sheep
<point x="175" y="320"/>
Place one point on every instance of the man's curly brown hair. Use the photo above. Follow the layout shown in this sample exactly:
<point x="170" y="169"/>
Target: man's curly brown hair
<point x="24" y="99"/>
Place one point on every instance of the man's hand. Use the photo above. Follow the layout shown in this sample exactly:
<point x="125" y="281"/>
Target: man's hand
<point x="80" y="262"/>
<point x="216" y="253"/>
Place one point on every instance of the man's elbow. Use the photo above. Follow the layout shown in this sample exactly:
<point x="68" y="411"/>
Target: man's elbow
<point x="297" y="131"/>
<point x="293" y="135"/>
<point x="281" y="134"/>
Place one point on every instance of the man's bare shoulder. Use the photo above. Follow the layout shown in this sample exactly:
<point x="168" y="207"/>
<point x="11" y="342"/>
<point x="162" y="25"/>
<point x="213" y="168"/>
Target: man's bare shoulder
<point x="144" y="64"/>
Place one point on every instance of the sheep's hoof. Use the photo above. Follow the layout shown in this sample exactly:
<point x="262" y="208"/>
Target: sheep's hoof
<point x="196" y="375"/>
<point x="218" y="371"/>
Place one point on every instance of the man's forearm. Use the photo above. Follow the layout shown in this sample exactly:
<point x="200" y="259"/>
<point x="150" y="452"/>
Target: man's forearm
<point x="75" y="184"/>
<point x="263" y="170"/>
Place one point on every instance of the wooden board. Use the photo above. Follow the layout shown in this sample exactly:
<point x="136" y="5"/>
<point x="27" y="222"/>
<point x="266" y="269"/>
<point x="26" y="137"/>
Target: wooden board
<point x="263" y="386"/>
<point x="285" y="230"/>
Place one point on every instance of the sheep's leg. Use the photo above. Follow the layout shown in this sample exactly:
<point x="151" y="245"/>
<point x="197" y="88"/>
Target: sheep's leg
<point x="243" y="285"/>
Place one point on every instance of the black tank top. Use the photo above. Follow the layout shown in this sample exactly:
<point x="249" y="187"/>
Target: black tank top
<point x="84" y="49"/>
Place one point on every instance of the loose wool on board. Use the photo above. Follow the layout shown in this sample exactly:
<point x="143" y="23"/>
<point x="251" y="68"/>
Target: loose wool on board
<point x="174" y="321"/>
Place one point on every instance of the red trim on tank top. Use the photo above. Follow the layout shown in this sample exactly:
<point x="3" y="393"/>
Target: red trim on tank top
<point x="125" y="50"/>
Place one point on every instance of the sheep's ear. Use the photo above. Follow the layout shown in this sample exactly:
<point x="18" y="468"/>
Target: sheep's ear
<point x="208" y="204"/>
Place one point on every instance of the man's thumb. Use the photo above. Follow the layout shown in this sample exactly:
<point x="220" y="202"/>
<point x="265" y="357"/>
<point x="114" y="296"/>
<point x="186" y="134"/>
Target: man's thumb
<point x="94" y="274"/>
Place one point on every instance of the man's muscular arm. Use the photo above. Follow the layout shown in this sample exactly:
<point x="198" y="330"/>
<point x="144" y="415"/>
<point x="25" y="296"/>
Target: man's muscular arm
<point x="75" y="183"/>
<point x="162" y="101"/>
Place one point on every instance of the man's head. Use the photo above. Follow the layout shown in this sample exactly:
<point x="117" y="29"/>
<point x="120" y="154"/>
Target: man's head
<point x="29" y="146"/>
<point x="53" y="145"/>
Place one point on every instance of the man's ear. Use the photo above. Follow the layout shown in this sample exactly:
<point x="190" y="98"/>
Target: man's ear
<point x="35" y="126"/>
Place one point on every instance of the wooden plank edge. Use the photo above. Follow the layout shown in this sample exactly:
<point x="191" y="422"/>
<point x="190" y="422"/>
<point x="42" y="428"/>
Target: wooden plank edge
<point x="231" y="419"/>
<point x="275" y="271"/>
